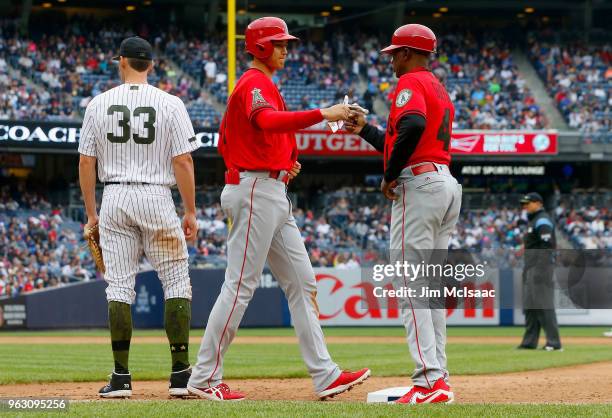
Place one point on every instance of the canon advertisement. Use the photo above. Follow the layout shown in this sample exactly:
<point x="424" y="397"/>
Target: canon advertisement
<point x="341" y="301"/>
<point x="56" y="135"/>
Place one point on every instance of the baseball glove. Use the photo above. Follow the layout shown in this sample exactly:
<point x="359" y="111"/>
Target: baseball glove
<point x="92" y="236"/>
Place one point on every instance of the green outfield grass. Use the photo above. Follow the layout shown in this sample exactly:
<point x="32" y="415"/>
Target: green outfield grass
<point x="29" y="363"/>
<point x="332" y="331"/>
<point x="83" y="362"/>
<point x="323" y="409"/>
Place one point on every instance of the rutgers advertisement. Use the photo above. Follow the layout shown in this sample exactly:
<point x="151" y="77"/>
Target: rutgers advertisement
<point x="57" y="135"/>
<point x="342" y="303"/>
<point x="462" y="142"/>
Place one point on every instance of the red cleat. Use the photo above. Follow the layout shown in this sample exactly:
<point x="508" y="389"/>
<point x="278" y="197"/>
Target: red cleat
<point x="221" y="392"/>
<point x="439" y="393"/>
<point x="344" y="382"/>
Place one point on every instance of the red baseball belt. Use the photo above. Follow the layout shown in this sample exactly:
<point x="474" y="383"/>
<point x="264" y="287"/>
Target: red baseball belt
<point x="423" y="168"/>
<point x="232" y="176"/>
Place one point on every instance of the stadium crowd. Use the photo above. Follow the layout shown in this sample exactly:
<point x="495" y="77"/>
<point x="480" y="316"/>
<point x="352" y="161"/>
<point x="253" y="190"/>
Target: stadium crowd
<point x="57" y="73"/>
<point x="589" y="228"/>
<point x="341" y="236"/>
<point x="70" y="65"/>
<point x="314" y="76"/>
<point x="579" y="78"/>
<point x="480" y="77"/>
<point x="40" y="247"/>
<point x="493" y="234"/>
<point x="344" y="231"/>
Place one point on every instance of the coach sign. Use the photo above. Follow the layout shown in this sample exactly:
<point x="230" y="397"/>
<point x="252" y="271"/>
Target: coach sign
<point x="65" y="135"/>
<point x="39" y="134"/>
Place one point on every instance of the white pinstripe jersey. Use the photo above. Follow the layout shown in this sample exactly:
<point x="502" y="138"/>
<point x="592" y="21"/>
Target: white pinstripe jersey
<point x="134" y="131"/>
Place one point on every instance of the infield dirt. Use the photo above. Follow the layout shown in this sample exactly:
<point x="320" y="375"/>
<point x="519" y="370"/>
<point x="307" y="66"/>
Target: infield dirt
<point x="589" y="383"/>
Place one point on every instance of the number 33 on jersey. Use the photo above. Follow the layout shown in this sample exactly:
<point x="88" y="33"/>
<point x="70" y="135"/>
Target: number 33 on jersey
<point x="419" y="92"/>
<point x="134" y="130"/>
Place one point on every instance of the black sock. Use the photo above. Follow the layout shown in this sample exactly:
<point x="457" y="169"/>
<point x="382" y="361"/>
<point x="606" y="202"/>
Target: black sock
<point x="177" y="320"/>
<point x="120" y="323"/>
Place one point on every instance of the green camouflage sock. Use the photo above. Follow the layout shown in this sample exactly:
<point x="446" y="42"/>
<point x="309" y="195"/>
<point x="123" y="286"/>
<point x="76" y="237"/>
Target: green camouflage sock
<point x="120" y="322"/>
<point x="177" y="320"/>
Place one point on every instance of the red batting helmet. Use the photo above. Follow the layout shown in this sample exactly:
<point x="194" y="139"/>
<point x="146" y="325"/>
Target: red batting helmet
<point x="261" y="32"/>
<point x="412" y="36"/>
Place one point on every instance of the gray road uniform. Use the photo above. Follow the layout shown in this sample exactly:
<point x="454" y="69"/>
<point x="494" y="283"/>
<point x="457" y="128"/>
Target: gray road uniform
<point x="416" y="155"/>
<point x="262" y="229"/>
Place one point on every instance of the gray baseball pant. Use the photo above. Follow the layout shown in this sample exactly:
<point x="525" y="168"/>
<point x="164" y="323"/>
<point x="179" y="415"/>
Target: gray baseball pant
<point x="263" y="228"/>
<point x="422" y="220"/>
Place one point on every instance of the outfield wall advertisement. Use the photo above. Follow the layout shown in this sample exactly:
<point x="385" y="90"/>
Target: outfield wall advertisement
<point x="83" y="305"/>
<point x="325" y="143"/>
<point x="65" y="136"/>
<point x="340" y="301"/>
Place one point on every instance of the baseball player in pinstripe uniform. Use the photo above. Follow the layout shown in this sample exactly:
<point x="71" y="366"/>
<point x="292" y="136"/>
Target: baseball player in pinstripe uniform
<point x="141" y="139"/>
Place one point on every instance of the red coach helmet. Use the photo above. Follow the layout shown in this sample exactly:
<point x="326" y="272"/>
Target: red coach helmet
<point x="412" y="36"/>
<point x="261" y="32"/>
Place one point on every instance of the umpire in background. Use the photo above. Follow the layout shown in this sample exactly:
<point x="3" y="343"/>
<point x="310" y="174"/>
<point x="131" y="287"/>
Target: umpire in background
<point x="538" y="287"/>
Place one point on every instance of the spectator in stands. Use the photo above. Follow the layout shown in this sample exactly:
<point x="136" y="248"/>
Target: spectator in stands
<point x="588" y="228"/>
<point x="210" y="69"/>
<point x="578" y="76"/>
<point x="38" y="248"/>
<point x="72" y="68"/>
<point x="480" y="77"/>
<point x="346" y="229"/>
